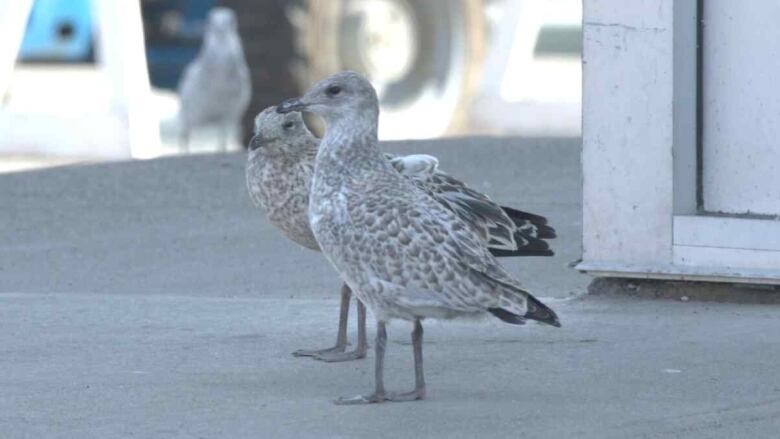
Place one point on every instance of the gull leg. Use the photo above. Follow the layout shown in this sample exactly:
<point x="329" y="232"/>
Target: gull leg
<point x="341" y="337"/>
<point x="379" y="370"/>
<point x="223" y="137"/>
<point x="362" y="346"/>
<point x="184" y="140"/>
<point x="419" y="377"/>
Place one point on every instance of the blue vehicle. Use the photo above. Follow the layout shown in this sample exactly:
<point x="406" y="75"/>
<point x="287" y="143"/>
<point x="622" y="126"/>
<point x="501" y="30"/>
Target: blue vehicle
<point x="62" y="31"/>
<point x="58" y="30"/>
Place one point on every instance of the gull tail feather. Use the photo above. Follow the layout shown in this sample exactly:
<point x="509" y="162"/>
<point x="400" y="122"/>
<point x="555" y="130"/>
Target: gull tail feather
<point x="515" y="299"/>
<point x="540" y="312"/>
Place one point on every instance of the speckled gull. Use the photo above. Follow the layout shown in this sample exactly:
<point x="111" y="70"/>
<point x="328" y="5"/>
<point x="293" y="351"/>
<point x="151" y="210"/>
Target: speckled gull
<point x="215" y="88"/>
<point x="279" y="169"/>
<point x="404" y="254"/>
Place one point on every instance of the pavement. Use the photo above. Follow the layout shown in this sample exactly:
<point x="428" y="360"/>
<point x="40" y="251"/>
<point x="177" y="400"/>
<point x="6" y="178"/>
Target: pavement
<point x="150" y="299"/>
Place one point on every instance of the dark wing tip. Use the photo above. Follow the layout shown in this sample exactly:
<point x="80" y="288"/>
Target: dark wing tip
<point x="502" y="253"/>
<point x="546" y="232"/>
<point x="520" y="217"/>
<point x="526" y="246"/>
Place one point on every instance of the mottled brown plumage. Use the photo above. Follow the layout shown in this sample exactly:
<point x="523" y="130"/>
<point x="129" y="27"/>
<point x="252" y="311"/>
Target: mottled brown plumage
<point x="279" y="170"/>
<point x="403" y="253"/>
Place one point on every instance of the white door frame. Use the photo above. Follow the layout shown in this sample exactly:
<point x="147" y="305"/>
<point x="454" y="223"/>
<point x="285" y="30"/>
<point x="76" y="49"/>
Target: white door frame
<point x="641" y="135"/>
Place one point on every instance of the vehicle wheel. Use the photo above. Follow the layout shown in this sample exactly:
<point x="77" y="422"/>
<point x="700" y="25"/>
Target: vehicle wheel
<point x="423" y="56"/>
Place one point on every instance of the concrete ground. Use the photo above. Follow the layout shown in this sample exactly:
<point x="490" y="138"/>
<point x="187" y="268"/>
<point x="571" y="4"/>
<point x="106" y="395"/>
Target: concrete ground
<point x="149" y="299"/>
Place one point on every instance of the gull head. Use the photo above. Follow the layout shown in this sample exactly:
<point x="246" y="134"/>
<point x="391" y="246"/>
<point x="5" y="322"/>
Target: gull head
<point x="221" y="25"/>
<point x="285" y="129"/>
<point x="345" y="95"/>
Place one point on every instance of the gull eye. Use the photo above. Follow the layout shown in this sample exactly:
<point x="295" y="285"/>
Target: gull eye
<point x="333" y="90"/>
<point x="287" y="125"/>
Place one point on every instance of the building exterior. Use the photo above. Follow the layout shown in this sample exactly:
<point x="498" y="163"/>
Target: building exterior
<point x="97" y="109"/>
<point x="681" y="124"/>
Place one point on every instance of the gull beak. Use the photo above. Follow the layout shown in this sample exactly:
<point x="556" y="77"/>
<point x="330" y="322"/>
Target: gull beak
<point x="290" y="105"/>
<point x="255" y="142"/>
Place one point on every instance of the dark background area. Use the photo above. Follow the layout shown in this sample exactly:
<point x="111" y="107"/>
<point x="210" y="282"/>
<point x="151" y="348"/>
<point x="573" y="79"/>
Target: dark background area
<point x="174" y="30"/>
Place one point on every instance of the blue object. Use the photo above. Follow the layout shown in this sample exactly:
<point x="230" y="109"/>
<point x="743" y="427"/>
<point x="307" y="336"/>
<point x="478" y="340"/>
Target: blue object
<point x="58" y="30"/>
<point x="62" y="31"/>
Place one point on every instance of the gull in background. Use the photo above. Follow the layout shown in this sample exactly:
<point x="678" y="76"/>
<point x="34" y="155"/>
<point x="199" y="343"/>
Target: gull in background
<point x="215" y="88"/>
<point x="279" y="170"/>
<point x="404" y="254"/>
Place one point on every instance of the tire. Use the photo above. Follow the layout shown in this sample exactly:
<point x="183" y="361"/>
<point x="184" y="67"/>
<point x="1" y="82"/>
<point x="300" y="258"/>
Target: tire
<point x="426" y="73"/>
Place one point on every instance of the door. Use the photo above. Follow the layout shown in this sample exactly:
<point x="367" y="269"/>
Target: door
<point x="738" y="228"/>
<point x="741" y="107"/>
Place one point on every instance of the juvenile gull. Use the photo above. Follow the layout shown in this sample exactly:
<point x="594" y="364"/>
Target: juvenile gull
<point x="279" y="170"/>
<point x="403" y="253"/>
<point x="215" y="88"/>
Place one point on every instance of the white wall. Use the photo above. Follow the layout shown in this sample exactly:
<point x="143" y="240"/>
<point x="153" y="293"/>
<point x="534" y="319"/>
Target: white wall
<point x="639" y="154"/>
<point x="627" y="131"/>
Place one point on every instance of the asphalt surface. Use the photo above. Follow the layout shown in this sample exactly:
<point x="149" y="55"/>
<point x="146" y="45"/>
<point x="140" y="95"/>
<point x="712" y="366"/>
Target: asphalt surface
<point x="185" y="226"/>
<point x="149" y="299"/>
